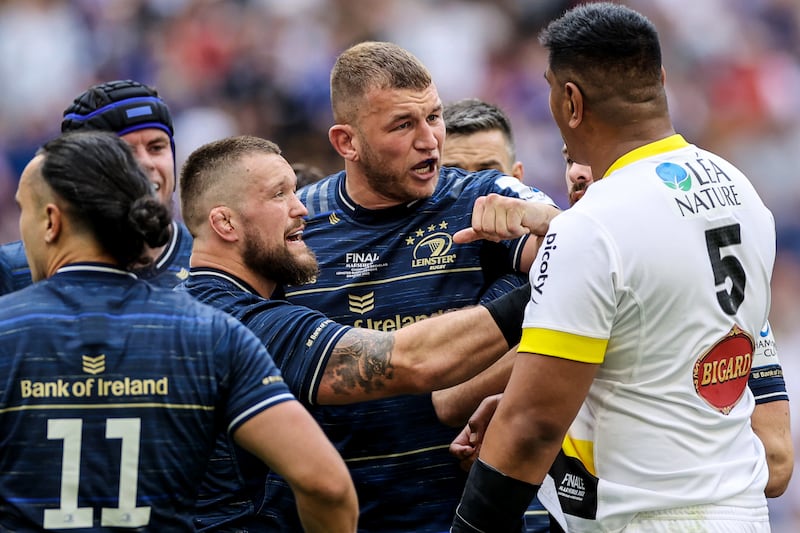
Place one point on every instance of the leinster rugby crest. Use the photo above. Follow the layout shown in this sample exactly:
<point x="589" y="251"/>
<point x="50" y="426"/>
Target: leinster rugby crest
<point x="431" y="247"/>
<point x="721" y="374"/>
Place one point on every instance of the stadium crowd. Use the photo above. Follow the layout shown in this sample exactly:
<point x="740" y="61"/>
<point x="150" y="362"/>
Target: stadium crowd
<point x="261" y="67"/>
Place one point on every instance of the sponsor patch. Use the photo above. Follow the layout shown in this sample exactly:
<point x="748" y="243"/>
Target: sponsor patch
<point x="720" y="375"/>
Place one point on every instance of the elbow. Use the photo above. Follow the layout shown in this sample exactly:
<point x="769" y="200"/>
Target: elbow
<point x="335" y="496"/>
<point x="779" y="476"/>
<point x="338" y="492"/>
<point x="448" y="409"/>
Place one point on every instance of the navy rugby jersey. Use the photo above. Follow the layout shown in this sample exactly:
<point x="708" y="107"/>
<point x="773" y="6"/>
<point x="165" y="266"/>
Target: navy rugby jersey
<point x="169" y="269"/>
<point x="6" y="280"/>
<point x="112" y="394"/>
<point x="301" y="341"/>
<point x="384" y="269"/>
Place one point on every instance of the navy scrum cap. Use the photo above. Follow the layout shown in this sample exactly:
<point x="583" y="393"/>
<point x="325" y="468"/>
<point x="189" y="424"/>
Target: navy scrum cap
<point x="121" y="106"/>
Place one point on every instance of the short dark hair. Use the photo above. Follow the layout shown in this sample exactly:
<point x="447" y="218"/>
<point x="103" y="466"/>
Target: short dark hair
<point x="472" y="115"/>
<point x="608" y="49"/>
<point x="106" y="193"/>
<point x="208" y="167"/>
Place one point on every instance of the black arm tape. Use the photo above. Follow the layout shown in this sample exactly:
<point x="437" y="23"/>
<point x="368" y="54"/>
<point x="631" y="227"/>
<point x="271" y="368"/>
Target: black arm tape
<point x="508" y="311"/>
<point x="492" y="502"/>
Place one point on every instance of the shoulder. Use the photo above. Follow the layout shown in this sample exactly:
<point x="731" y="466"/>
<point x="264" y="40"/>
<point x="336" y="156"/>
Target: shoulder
<point x="14" y="254"/>
<point x="316" y="196"/>
<point x="483" y="182"/>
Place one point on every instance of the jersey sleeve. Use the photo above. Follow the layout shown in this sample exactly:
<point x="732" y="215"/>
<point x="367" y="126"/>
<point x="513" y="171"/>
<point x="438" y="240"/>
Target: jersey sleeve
<point x="512" y="187"/>
<point x="6" y="282"/>
<point x="254" y="383"/>
<point x="301" y="341"/>
<point x="573" y="299"/>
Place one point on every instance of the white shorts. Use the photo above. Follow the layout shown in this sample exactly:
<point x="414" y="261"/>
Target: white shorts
<point x="702" y="518"/>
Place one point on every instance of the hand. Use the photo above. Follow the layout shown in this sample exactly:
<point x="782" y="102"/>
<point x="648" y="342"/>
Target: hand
<point x="496" y="217"/>
<point x="467" y="445"/>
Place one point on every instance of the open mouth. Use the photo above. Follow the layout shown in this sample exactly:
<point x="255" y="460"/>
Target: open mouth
<point x="427" y="166"/>
<point x="295" y="236"/>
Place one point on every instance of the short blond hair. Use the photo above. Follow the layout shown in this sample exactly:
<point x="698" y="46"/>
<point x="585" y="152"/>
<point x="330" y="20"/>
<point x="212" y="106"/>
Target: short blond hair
<point x="372" y="65"/>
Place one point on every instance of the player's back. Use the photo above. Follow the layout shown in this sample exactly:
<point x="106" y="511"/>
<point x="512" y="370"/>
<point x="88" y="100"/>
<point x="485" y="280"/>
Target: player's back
<point x="112" y="393"/>
<point x="686" y="248"/>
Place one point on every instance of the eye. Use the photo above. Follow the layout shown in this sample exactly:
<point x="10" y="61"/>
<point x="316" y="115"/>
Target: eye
<point x="404" y="125"/>
<point x="433" y="117"/>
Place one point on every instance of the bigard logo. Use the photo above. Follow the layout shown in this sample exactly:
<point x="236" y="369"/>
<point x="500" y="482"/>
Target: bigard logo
<point x="720" y="375"/>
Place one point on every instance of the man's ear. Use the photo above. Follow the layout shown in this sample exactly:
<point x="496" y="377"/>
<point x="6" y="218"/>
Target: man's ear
<point x="343" y="141"/>
<point x="518" y="171"/>
<point x="54" y="223"/>
<point x="575" y="103"/>
<point x="221" y="220"/>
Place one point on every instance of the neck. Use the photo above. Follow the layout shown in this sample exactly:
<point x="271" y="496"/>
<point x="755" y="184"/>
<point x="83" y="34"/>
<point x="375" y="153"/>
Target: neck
<point x="228" y="261"/>
<point x="614" y="145"/>
<point x="360" y="192"/>
<point x="81" y="251"/>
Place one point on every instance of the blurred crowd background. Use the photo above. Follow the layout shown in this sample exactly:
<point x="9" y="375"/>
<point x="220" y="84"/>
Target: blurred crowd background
<point x="261" y="67"/>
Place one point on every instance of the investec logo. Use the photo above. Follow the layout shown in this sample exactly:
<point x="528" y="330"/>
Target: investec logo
<point x="432" y="247"/>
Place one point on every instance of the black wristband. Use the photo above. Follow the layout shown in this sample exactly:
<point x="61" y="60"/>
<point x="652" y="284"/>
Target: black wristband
<point x="508" y="311"/>
<point x="492" y="501"/>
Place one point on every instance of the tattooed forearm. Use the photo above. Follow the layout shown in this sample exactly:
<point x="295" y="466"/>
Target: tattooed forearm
<point x="361" y="360"/>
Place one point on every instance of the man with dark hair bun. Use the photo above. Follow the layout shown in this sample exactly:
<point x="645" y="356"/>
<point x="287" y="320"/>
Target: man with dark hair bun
<point x="115" y="390"/>
<point x="136" y="113"/>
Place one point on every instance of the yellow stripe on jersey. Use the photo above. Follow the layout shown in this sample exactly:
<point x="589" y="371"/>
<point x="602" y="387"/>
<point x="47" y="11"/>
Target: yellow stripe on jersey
<point x="563" y="345"/>
<point x="582" y="450"/>
<point x="667" y="144"/>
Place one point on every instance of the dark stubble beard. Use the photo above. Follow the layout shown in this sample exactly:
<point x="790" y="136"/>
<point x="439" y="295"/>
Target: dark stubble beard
<point x="279" y="264"/>
<point x="384" y="183"/>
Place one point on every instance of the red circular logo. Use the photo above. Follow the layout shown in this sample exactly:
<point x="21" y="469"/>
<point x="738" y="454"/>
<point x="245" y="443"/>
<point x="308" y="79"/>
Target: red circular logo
<point x="721" y="375"/>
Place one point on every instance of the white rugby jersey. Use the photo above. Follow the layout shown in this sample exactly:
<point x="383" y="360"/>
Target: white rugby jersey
<point x="661" y="274"/>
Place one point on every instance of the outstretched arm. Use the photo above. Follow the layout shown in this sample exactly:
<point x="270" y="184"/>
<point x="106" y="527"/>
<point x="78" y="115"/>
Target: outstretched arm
<point x="302" y="454"/>
<point x="455" y="405"/>
<point x="435" y="353"/>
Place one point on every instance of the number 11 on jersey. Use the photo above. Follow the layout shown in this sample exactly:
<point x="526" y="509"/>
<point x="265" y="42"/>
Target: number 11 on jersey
<point x="69" y="515"/>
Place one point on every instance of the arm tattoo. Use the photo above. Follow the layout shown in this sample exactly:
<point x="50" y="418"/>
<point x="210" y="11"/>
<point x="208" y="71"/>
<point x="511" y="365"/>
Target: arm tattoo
<point x="361" y="358"/>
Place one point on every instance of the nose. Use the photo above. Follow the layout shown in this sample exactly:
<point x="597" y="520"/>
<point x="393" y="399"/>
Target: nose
<point x="143" y="157"/>
<point x="427" y="139"/>
<point x="578" y="173"/>
<point x="297" y="208"/>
